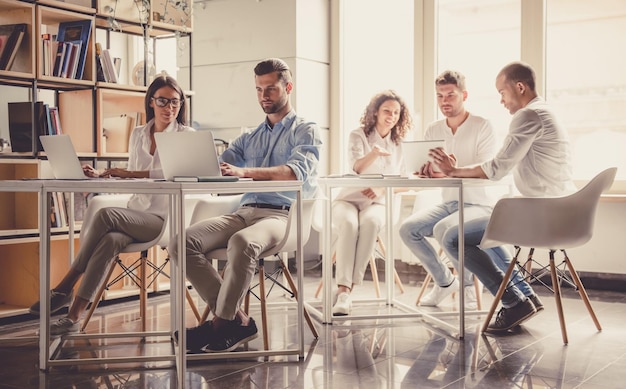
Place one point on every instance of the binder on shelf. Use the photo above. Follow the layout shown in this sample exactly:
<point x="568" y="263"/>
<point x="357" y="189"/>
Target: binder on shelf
<point x="99" y="68"/>
<point x="77" y="31"/>
<point x="21" y="125"/>
<point x="11" y="37"/>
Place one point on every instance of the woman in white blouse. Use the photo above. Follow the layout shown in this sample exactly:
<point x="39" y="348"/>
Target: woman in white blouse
<point x="112" y="229"/>
<point x="359" y="214"/>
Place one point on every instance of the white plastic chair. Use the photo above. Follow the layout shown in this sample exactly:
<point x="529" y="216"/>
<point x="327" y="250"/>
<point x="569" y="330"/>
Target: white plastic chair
<point x="287" y="244"/>
<point x="141" y="265"/>
<point x="556" y="223"/>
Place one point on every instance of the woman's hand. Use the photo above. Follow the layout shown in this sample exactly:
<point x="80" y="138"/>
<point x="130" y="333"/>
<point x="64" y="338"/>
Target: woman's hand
<point x="380" y="151"/>
<point x="90" y="171"/>
<point x="117" y="172"/>
<point x="372" y="193"/>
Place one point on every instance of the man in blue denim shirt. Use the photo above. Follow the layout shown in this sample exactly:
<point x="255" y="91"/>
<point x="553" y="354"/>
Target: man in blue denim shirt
<point x="283" y="147"/>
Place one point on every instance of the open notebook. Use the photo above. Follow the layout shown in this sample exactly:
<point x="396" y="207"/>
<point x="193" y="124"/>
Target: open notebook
<point x="189" y="156"/>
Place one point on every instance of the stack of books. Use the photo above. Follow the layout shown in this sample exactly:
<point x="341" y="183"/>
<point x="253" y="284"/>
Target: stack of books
<point x="11" y="37"/>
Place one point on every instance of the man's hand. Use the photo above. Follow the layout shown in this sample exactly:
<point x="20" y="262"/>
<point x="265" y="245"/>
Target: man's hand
<point x="446" y="163"/>
<point x="428" y="171"/>
<point x="231" y="170"/>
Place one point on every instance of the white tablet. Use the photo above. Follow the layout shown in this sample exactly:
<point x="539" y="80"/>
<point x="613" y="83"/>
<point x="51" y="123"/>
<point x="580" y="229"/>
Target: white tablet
<point x="415" y="153"/>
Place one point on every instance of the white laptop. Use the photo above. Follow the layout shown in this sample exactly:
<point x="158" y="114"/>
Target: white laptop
<point x="415" y="154"/>
<point x="189" y="156"/>
<point x="62" y="157"/>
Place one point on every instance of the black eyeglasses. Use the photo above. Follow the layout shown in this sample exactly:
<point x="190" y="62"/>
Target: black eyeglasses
<point x="164" y="102"/>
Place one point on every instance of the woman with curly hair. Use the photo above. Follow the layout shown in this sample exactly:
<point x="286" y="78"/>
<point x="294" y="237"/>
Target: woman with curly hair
<point x="359" y="214"/>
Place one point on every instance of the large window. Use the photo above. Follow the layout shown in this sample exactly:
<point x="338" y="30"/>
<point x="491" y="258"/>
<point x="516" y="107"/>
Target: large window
<point x="477" y="38"/>
<point x="586" y="80"/>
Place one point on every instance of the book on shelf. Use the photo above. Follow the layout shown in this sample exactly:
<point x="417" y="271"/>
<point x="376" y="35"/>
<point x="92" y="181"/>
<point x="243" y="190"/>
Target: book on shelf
<point x="108" y="66"/>
<point x="61" y="207"/>
<point x="99" y="68"/>
<point x="21" y="125"/>
<point x="11" y="37"/>
<point x="56" y="120"/>
<point x="73" y="32"/>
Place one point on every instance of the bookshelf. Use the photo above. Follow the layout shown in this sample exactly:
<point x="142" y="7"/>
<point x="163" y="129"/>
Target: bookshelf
<point x="97" y="115"/>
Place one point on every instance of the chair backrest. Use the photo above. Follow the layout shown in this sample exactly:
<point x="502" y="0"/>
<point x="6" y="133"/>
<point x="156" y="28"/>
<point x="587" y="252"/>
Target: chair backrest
<point x="550" y="223"/>
<point x="290" y="240"/>
<point x="209" y="207"/>
<point x="121" y="201"/>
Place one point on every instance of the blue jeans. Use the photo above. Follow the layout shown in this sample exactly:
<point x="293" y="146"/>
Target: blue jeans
<point x="488" y="265"/>
<point x="435" y="222"/>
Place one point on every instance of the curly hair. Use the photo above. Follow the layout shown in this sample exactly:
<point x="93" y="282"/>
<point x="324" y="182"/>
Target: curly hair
<point x="368" y="119"/>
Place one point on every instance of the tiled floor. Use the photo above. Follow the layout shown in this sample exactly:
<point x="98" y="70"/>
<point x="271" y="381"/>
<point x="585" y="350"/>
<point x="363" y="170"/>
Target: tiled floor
<point x="398" y="353"/>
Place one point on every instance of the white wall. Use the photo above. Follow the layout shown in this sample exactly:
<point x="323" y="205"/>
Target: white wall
<point x="231" y="37"/>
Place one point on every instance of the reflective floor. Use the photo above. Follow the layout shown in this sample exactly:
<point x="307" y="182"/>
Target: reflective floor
<point x="376" y="353"/>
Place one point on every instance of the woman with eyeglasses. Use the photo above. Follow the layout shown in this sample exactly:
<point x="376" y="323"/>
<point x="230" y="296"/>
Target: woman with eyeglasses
<point x="112" y="229"/>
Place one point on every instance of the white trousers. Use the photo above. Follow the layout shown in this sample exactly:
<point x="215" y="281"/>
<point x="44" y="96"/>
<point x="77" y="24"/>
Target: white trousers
<point x="355" y="231"/>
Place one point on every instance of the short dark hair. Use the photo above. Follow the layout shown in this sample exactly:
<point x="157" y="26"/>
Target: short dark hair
<point x="271" y="65"/>
<point x="519" y="72"/>
<point x="451" y="77"/>
<point x="159" y="82"/>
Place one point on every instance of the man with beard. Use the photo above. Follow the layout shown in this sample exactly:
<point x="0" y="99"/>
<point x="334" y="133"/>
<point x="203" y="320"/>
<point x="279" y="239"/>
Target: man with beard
<point x="283" y="147"/>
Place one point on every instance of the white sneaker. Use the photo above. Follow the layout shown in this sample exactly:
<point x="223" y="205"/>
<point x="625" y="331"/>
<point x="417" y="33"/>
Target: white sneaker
<point x="471" y="302"/>
<point x="438" y="294"/>
<point x="343" y="305"/>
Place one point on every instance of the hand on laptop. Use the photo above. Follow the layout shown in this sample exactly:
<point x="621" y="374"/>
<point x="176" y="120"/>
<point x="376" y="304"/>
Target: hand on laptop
<point x="90" y="171"/>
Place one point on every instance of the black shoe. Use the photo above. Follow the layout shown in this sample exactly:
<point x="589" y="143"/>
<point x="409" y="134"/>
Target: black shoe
<point x="232" y="337"/>
<point x="198" y="337"/>
<point x="536" y="302"/>
<point x="58" y="300"/>
<point x="510" y="317"/>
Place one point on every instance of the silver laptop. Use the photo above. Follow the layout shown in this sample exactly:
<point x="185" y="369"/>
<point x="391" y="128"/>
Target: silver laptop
<point x="62" y="157"/>
<point x="189" y="156"/>
<point x="415" y="153"/>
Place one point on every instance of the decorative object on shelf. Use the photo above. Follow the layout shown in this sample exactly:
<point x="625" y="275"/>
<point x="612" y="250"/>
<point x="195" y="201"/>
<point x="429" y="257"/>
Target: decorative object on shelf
<point x="138" y="73"/>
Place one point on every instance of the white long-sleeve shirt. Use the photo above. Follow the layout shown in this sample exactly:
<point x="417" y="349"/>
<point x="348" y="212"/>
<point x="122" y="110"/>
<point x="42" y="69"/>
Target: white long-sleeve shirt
<point x="139" y="159"/>
<point x="537" y="150"/>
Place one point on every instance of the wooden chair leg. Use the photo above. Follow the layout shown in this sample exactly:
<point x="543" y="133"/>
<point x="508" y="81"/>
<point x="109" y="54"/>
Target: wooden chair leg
<point x="427" y="280"/>
<point x="193" y="306"/>
<point x="582" y="291"/>
<point x="374" y="272"/>
<point x="98" y="296"/>
<point x="396" y="277"/>
<point x="478" y="288"/>
<point x="294" y="290"/>
<point x="263" y="305"/>
<point x="557" y="296"/>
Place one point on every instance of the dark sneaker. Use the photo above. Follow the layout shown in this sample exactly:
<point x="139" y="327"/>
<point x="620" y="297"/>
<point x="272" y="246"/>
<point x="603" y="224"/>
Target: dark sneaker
<point x="63" y="326"/>
<point x="510" y="317"/>
<point x="536" y="302"/>
<point x="198" y="337"/>
<point x="58" y="300"/>
<point x="232" y="337"/>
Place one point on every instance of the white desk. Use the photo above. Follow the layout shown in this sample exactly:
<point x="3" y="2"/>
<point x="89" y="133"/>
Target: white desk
<point x="328" y="183"/>
<point x="177" y="192"/>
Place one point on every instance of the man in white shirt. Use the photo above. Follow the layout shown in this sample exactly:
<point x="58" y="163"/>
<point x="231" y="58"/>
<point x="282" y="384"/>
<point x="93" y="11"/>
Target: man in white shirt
<point x="537" y="150"/>
<point x="471" y="140"/>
